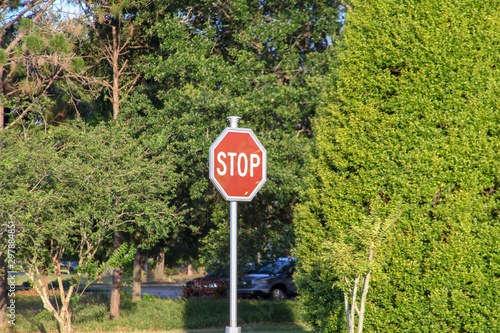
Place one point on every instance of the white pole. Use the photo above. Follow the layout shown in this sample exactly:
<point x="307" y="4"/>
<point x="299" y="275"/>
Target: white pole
<point x="233" y="276"/>
<point x="234" y="262"/>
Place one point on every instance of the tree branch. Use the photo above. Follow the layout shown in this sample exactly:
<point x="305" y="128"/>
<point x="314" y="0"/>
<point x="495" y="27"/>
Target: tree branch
<point x="25" y="112"/>
<point x="364" y="293"/>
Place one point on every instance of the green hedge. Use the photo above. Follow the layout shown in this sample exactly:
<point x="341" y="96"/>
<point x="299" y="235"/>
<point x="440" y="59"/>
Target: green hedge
<point x="409" y="132"/>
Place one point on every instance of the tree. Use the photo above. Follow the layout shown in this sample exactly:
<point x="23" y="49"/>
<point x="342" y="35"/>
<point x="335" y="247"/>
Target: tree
<point x="257" y="60"/>
<point x="111" y="42"/>
<point x="71" y="189"/>
<point x="408" y="132"/>
<point x="36" y="53"/>
<point x="110" y="50"/>
<point x="4" y="261"/>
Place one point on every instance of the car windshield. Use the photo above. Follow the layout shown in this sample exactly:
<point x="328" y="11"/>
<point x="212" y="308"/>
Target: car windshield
<point x="273" y="268"/>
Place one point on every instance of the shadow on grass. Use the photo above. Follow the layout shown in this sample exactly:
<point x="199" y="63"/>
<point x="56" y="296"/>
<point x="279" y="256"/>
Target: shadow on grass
<point x="283" y="328"/>
<point x="197" y="315"/>
<point x="253" y="315"/>
<point x="31" y="316"/>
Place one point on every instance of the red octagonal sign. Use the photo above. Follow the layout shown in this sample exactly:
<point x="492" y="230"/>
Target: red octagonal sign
<point x="238" y="164"/>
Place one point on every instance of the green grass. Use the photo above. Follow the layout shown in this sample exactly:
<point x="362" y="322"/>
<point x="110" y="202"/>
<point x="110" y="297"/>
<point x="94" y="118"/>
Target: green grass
<point x="154" y="314"/>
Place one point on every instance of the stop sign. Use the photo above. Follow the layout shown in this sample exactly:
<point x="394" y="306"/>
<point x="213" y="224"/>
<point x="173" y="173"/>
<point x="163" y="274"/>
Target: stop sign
<point x="238" y="164"/>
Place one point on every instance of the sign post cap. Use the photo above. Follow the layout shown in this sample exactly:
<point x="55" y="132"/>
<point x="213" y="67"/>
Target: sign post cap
<point x="233" y="121"/>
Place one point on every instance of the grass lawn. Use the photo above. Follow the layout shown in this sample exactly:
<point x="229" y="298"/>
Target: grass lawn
<point x="194" y="315"/>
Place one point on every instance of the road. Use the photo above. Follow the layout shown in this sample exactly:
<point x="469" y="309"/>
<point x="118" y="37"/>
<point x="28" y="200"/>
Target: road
<point x="164" y="290"/>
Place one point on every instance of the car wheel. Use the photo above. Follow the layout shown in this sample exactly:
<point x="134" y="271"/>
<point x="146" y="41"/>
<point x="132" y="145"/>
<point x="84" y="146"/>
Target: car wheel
<point x="278" y="294"/>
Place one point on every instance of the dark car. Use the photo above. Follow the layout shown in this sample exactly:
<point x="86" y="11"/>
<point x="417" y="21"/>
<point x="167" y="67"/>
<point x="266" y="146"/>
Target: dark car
<point x="274" y="280"/>
<point x="73" y="267"/>
<point x="213" y="284"/>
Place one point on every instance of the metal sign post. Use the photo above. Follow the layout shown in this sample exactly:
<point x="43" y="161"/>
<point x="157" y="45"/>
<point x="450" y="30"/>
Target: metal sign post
<point x="237" y="166"/>
<point x="233" y="277"/>
<point x="233" y="252"/>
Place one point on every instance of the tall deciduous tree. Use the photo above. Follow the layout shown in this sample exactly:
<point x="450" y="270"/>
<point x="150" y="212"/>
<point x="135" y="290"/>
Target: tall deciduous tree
<point x="260" y="60"/>
<point x="409" y="130"/>
<point x="110" y="50"/>
<point x="110" y="53"/>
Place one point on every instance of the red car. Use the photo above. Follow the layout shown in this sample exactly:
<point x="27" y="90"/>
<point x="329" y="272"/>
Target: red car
<point x="210" y="285"/>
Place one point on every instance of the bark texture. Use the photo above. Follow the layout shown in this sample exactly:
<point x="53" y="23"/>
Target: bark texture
<point x="114" y="306"/>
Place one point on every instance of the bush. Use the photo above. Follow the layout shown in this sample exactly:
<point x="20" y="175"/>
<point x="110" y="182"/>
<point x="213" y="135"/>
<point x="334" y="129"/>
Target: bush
<point x="28" y="284"/>
<point x="409" y="131"/>
<point x="171" y="271"/>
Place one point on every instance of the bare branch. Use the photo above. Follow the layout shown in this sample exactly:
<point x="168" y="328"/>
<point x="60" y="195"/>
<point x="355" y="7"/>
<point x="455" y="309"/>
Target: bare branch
<point x="23" y="33"/>
<point x="23" y="114"/>
<point x="132" y="84"/>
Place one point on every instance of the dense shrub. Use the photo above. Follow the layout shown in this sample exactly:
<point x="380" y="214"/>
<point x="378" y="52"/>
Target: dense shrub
<point x="408" y="142"/>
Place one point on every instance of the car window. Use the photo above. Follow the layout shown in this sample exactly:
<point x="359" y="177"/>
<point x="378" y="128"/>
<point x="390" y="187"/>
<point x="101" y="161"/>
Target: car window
<point x="273" y="268"/>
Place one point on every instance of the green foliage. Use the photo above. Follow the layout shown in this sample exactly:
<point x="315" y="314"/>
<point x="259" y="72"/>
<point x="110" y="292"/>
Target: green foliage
<point x="59" y="43"/>
<point x="171" y="271"/>
<point x="26" y="24"/>
<point x="261" y="61"/>
<point x="3" y="57"/>
<point x="28" y="284"/>
<point x="34" y="43"/>
<point x="78" y="65"/>
<point x="69" y="189"/>
<point x="408" y="133"/>
<point x="35" y="58"/>
<point x="122" y="256"/>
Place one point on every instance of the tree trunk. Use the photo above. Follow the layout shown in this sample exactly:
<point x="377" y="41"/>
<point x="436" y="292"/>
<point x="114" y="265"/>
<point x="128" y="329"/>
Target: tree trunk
<point x="44" y="278"/>
<point x="64" y="321"/>
<point x="2" y="112"/>
<point x="353" y="309"/>
<point x="160" y="267"/>
<point x="62" y="312"/>
<point x="2" y="108"/>
<point x="3" y="287"/>
<point x="145" y="269"/>
<point x="136" y="276"/>
<point x="115" y="99"/>
<point x="63" y="317"/>
<point x="65" y="324"/>
<point x="114" y="308"/>
<point x="347" y="312"/>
